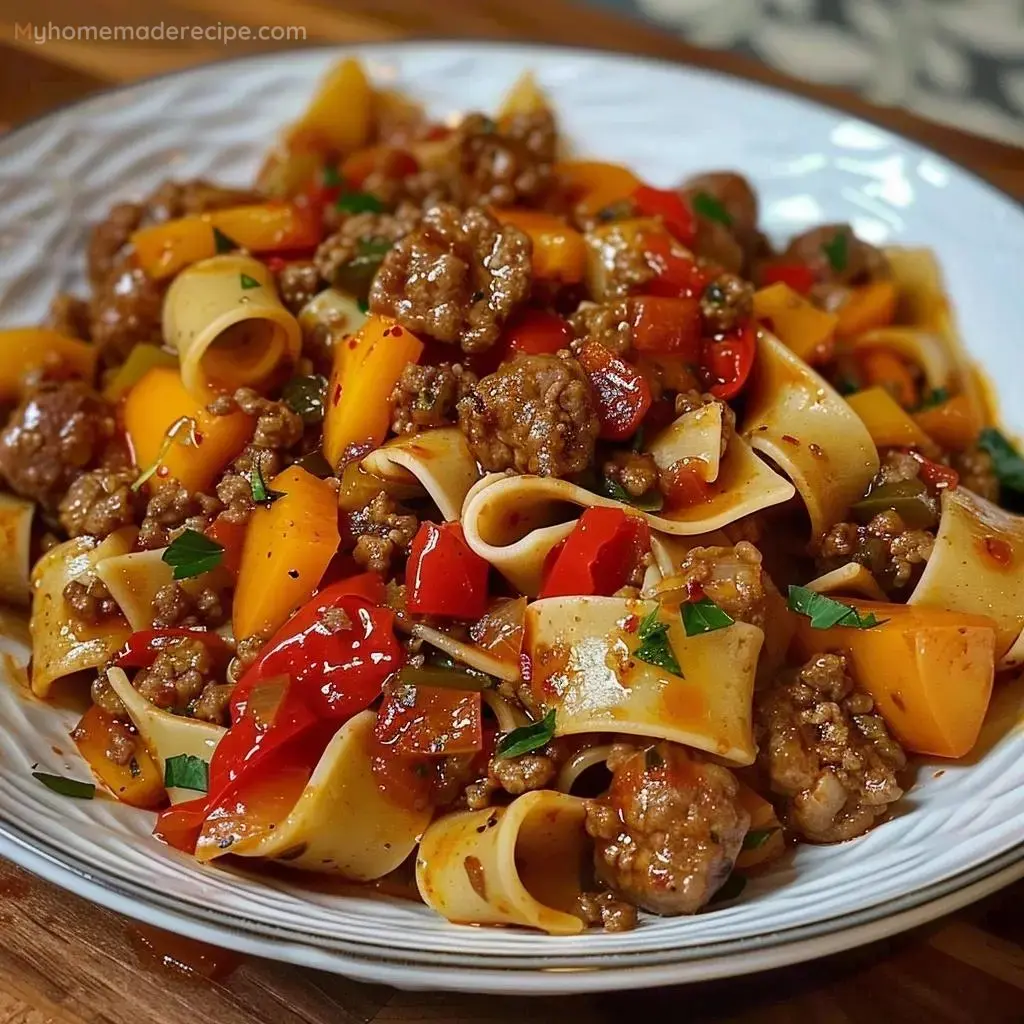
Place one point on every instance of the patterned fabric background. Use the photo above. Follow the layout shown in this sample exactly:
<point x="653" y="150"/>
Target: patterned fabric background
<point x="957" y="61"/>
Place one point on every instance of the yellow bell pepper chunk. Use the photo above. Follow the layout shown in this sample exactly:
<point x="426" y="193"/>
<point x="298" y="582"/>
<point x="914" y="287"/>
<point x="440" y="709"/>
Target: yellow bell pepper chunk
<point x="366" y="368"/>
<point x="153" y="406"/>
<point x="929" y="671"/>
<point x="559" y="252"/>
<point x="27" y="349"/>
<point x="804" y="329"/>
<point x="339" y="117"/>
<point x="139" y="783"/>
<point x="287" y="549"/>
<point x="593" y="185"/>
<point x="870" y="306"/>
<point x="953" y="424"/>
<point x="888" y="423"/>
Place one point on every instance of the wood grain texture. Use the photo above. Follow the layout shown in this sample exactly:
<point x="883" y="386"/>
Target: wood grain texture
<point x="64" y="961"/>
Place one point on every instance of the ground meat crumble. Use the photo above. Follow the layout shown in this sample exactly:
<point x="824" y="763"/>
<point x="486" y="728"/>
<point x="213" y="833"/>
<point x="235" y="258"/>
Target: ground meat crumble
<point x="383" y="531"/>
<point x="826" y="752"/>
<point x="426" y="396"/>
<point x="99" y="502"/>
<point x="458" y="277"/>
<point x="534" y="414"/>
<point x="731" y="577"/>
<point x="90" y="601"/>
<point x="178" y="676"/>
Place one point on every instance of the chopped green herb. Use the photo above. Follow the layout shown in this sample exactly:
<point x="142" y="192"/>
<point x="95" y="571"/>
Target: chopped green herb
<point x="847" y="386"/>
<point x="933" y="397"/>
<point x="183" y="425"/>
<point x="708" y="206"/>
<point x="356" y="275"/>
<point x="637" y="443"/>
<point x="65" y="786"/>
<point x="358" y="202"/>
<point x="364" y="306"/>
<point x="756" y="838"/>
<point x="838" y="250"/>
<point x="704" y="616"/>
<point x="191" y="554"/>
<point x="305" y="396"/>
<point x="733" y="887"/>
<point x="655" y="647"/>
<point x="527" y="737"/>
<point x="261" y="493"/>
<point x="249" y="282"/>
<point x="1006" y="460"/>
<point x="222" y="243"/>
<point x="332" y="177"/>
<point x="825" y="613"/>
<point x="652" y="501"/>
<point x="186" y="771"/>
<point x="909" y="498"/>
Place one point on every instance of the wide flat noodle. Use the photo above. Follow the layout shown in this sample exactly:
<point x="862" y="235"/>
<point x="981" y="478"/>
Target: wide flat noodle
<point x="924" y="303"/>
<point x="853" y="579"/>
<point x="516" y="865"/>
<point x="166" y="735"/>
<point x="696" y="435"/>
<point x="514" y="521"/>
<point x="977" y="565"/>
<point x="440" y="460"/>
<point x="63" y="645"/>
<point x="343" y="823"/>
<point x="583" y="666"/>
<point x="796" y="418"/>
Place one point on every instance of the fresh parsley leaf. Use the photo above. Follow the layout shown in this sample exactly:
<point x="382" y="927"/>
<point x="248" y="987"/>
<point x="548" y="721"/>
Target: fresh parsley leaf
<point x="733" y="887"/>
<point x="364" y="306"/>
<point x="358" y="202"/>
<point x="825" y="613"/>
<point x="65" y="786"/>
<point x="1006" y="460"/>
<point x="249" y="282"/>
<point x="222" y="243"/>
<point x="838" y="250"/>
<point x="305" y="396"/>
<point x="356" y="276"/>
<point x="331" y="177"/>
<point x="185" y="427"/>
<point x="756" y="838"/>
<point x="186" y="771"/>
<point x="704" y="616"/>
<point x="652" y="501"/>
<point x="932" y="398"/>
<point x="191" y="554"/>
<point x="373" y="248"/>
<point x="655" y="647"/>
<point x="261" y="493"/>
<point x="527" y="737"/>
<point x="708" y="206"/>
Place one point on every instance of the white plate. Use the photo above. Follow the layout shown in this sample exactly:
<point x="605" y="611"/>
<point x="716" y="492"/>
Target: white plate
<point x="958" y="834"/>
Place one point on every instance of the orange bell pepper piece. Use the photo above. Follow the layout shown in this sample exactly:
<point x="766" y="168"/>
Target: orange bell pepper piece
<point x="804" y="329"/>
<point x="593" y="185"/>
<point x="884" y="369"/>
<point x="163" y="249"/>
<point x="138" y="782"/>
<point x="559" y="252"/>
<point x="27" y="349"/>
<point x="870" y="306"/>
<point x="151" y="409"/>
<point x="929" y="671"/>
<point x="953" y="424"/>
<point x="366" y="368"/>
<point x="287" y="549"/>
<point x="340" y="115"/>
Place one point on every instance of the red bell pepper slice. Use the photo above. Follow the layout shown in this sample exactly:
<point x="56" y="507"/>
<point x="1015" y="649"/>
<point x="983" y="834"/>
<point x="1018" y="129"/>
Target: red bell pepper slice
<point x="934" y="474"/>
<point x="444" y="575"/>
<point x="230" y="536"/>
<point x="667" y="325"/>
<point x="537" y="332"/>
<point x="622" y="392"/>
<point x="142" y="647"/>
<point x="670" y="207"/>
<point x="683" y="484"/>
<point x="796" y="275"/>
<point x="599" y="556"/>
<point x="676" y="274"/>
<point x="430" y="720"/>
<point x="727" y="360"/>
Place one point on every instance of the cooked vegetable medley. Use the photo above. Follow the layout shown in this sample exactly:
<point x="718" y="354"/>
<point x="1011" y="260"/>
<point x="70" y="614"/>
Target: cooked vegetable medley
<point x="451" y="507"/>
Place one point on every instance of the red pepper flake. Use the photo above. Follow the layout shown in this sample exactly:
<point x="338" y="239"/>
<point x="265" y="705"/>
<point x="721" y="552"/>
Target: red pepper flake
<point x="396" y="331"/>
<point x="353" y="341"/>
<point x="694" y="591"/>
<point x="197" y="438"/>
<point x="998" y="550"/>
<point x="336" y="397"/>
<point x="630" y="623"/>
<point x="275" y="264"/>
<point x="387" y="332"/>
<point x="790" y="439"/>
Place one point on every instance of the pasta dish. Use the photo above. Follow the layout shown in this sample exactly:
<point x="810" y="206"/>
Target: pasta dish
<point x="455" y="514"/>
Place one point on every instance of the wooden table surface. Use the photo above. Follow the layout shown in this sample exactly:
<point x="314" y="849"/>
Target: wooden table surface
<point x="64" y="961"/>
